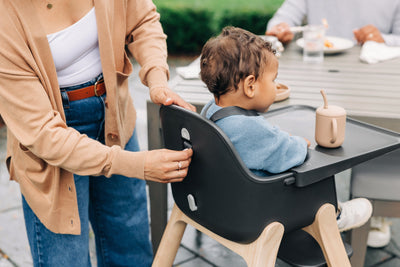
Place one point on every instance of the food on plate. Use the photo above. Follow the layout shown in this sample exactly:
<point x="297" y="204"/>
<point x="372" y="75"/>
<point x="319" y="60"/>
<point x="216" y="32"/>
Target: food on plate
<point x="328" y="43"/>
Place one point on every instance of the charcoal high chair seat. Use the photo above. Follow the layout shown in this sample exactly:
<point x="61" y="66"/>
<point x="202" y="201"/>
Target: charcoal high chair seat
<point x="244" y="212"/>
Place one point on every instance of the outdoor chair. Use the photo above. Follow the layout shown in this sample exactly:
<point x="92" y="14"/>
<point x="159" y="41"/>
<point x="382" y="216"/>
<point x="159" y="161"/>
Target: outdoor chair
<point x="379" y="181"/>
<point x="251" y="215"/>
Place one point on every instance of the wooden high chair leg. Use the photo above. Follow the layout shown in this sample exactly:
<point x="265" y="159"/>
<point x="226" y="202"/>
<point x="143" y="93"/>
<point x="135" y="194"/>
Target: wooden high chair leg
<point x="171" y="239"/>
<point x="260" y="253"/>
<point x="263" y="251"/>
<point x="326" y="232"/>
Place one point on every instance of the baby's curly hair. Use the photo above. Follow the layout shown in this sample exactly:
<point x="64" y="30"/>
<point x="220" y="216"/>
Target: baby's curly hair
<point x="232" y="56"/>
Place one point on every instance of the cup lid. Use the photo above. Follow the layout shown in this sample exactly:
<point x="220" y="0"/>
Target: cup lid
<point x="331" y="111"/>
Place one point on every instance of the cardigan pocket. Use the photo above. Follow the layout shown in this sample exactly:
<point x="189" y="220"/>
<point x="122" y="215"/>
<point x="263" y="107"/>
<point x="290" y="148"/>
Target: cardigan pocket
<point x="25" y="165"/>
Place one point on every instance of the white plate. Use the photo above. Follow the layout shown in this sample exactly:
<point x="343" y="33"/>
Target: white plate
<point x="339" y="44"/>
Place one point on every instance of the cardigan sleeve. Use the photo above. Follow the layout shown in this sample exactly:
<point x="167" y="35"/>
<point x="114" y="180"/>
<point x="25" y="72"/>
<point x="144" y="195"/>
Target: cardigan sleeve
<point x="32" y="118"/>
<point x="146" y="41"/>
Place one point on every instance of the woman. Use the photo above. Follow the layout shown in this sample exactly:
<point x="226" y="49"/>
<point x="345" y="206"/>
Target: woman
<point x="65" y="100"/>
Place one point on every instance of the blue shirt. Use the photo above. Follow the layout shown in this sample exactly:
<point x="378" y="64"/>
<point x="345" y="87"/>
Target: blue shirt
<point x="262" y="147"/>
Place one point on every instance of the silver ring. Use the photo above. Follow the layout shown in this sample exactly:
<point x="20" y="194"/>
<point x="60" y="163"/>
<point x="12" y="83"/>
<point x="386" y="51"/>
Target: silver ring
<point x="370" y="35"/>
<point x="179" y="165"/>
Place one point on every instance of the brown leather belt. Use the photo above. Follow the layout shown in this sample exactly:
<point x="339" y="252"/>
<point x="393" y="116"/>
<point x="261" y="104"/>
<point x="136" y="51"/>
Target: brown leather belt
<point x="97" y="89"/>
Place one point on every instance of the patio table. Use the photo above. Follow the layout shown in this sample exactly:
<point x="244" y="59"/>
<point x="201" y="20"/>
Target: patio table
<point x="368" y="92"/>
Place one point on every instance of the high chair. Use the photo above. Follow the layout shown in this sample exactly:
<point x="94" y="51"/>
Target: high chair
<point x="246" y="213"/>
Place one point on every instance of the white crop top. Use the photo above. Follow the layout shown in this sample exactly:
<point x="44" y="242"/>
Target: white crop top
<point x="75" y="51"/>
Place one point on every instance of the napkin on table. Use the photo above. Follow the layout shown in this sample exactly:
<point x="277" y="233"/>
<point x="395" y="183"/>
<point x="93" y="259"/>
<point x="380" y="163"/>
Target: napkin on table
<point x="373" y="52"/>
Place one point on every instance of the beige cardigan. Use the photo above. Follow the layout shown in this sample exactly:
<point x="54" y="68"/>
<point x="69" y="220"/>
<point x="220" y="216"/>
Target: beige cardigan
<point x="42" y="152"/>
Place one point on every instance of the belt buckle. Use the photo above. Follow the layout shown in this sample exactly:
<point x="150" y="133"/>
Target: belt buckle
<point x="95" y="86"/>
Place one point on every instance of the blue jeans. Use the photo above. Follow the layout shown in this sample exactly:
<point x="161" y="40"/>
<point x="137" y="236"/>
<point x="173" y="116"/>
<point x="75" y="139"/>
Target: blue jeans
<point x="116" y="207"/>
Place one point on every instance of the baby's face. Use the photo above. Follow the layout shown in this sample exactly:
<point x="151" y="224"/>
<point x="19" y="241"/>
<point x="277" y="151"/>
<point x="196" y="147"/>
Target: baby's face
<point x="266" y="86"/>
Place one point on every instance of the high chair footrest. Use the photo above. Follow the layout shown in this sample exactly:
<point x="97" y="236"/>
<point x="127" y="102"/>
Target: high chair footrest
<point x="298" y="248"/>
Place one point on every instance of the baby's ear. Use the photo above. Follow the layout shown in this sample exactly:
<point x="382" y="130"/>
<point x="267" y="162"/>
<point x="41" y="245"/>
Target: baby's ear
<point x="249" y="86"/>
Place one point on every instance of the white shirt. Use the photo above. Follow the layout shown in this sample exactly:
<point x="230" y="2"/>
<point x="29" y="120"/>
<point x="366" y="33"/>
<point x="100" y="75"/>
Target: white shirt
<point x="75" y="51"/>
<point x="344" y="16"/>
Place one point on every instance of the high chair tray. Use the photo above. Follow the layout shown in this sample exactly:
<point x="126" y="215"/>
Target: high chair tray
<point x="362" y="142"/>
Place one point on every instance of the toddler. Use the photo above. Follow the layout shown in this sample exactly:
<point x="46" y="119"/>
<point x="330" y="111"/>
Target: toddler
<point x="239" y="69"/>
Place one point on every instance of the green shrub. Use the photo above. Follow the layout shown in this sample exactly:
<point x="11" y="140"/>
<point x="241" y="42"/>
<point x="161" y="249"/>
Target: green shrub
<point x="187" y="29"/>
<point x="254" y="21"/>
<point x="189" y="25"/>
<point x="217" y="5"/>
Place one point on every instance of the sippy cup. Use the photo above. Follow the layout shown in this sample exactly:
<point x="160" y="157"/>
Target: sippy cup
<point x="330" y="125"/>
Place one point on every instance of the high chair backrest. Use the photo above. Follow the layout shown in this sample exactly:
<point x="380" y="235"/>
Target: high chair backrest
<point x="223" y="195"/>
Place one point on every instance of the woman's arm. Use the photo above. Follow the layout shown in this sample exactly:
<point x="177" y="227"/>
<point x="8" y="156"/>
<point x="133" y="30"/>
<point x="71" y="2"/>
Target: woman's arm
<point x="146" y="41"/>
<point x="28" y="108"/>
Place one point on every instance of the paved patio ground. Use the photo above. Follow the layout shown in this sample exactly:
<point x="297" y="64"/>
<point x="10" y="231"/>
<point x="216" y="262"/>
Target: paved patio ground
<point x="14" y="248"/>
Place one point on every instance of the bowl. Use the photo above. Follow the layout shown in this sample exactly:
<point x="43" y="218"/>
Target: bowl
<point x="282" y="92"/>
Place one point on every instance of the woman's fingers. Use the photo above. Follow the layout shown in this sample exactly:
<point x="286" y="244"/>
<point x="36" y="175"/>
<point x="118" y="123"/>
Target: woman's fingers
<point x="167" y="166"/>
<point x="165" y="96"/>
<point x="175" y="176"/>
<point x="169" y="177"/>
<point x="174" y="98"/>
<point x="173" y="155"/>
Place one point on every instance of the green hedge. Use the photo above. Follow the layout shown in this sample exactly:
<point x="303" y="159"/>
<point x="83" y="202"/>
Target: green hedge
<point x="252" y="20"/>
<point x="188" y="28"/>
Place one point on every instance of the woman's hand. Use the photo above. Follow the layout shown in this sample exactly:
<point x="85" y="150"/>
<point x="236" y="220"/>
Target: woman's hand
<point x="368" y="33"/>
<point x="165" y="96"/>
<point x="167" y="166"/>
<point x="282" y="32"/>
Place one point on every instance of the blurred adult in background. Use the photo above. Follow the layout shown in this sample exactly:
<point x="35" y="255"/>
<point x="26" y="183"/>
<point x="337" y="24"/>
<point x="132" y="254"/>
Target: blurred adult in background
<point x="358" y="20"/>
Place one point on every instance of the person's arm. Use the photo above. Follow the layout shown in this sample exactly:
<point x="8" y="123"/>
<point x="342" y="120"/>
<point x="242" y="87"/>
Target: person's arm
<point x="146" y="41"/>
<point x="372" y="33"/>
<point x="393" y="39"/>
<point x="262" y="146"/>
<point x="368" y="33"/>
<point x="42" y="134"/>
<point x="291" y="13"/>
<point x="284" y="152"/>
